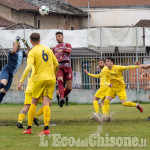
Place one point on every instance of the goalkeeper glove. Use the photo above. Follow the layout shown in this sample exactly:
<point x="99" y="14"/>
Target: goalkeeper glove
<point x="17" y="39"/>
<point x="25" y="42"/>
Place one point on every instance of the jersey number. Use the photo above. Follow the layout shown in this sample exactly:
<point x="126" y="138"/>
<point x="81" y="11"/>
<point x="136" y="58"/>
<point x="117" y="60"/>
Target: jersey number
<point x="45" y="56"/>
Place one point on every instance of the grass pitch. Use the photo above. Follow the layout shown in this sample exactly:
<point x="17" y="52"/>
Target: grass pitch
<point x="74" y="121"/>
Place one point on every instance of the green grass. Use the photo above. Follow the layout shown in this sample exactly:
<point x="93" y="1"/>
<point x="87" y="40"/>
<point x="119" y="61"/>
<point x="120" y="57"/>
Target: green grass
<point x="74" y="121"/>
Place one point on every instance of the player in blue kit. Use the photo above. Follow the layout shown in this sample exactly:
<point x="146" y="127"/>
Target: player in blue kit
<point x="15" y="58"/>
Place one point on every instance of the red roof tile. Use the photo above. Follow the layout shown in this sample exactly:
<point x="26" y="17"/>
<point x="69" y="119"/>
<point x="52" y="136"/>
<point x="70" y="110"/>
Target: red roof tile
<point x="19" y="26"/>
<point x="107" y="3"/>
<point x="4" y="22"/>
<point x="19" y="5"/>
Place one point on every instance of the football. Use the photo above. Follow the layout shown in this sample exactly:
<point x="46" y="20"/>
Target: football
<point x="44" y="10"/>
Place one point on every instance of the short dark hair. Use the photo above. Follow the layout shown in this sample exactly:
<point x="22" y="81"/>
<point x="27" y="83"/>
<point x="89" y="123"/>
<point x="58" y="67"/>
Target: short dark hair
<point x="35" y="37"/>
<point x="101" y="60"/>
<point x="111" y="59"/>
<point x="59" y="33"/>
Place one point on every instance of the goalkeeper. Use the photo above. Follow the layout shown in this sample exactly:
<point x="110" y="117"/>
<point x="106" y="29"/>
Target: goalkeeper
<point x="15" y="57"/>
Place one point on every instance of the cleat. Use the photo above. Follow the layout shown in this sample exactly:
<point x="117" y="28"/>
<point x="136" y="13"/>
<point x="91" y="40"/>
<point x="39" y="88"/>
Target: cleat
<point x="36" y="121"/>
<point x="19" y="125"/>
<point x="148" y="119"/>
<point x="44" y="132"/>
<point x="139" y="107"/>
<point x="61" y="102"/>
<point x="27" y="131"/>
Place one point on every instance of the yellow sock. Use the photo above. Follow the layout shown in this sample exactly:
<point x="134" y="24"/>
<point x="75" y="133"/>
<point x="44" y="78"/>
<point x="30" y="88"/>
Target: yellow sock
<point x="106" y="107"/>
<point x="96" y="106"/>
<point x="21" y="117"/>
<point x="129" y="104"/>
<point x="103" y="109"/>
<point x="46" y="114"/>
<point x="31" y="114"/>
<point x="39" y="113"/>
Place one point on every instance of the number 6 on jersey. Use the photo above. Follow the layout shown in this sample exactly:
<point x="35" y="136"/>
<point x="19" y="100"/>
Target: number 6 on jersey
<point x="45" y="56"/>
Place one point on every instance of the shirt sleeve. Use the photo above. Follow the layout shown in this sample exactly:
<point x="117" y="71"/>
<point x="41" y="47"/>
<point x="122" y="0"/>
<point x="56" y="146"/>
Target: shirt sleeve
<point x="122" y="68"/>
<point x="55" y="63"/>
<point x="30" y="59"/>
<point x="26" y="72"/>
<point x="94" y="75"/>
<point x="68" y="49"/>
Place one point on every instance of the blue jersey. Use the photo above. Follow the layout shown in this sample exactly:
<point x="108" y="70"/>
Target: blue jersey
<point x="14" y="61"/>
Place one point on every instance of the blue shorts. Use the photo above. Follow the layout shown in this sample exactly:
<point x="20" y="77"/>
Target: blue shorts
<point x="4" y="74"/>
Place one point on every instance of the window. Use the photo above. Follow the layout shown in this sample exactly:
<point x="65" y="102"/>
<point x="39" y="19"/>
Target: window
<point x="38" y="24"/>
<point x="72" y="27"/>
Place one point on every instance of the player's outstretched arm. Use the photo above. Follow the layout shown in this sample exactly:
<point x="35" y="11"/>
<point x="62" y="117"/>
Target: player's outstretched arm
<point x="145" y="66"/>
<point x="122" y="68"/>
<point x="15" y="47"/>
<point x="26" y="44"/>
<point x="92" y="75"/>
<point x="25" y="74"/>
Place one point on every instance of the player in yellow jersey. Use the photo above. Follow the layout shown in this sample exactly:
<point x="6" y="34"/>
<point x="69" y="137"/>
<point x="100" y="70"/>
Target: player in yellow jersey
<point x="46" y="66"/>
<point x="117" y="85"/>
<point x="27" y="102"/>
<point x="101" y="93"/>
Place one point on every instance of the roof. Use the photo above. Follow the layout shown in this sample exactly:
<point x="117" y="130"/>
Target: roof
<point x="19" y="26"/>
<point x="55" y="6"/>
<point x="19" y="5"/>
<point x="108" y="3"/>
<point x="143" y="23"/>
<point x="4" y="22"/>
<point x="58" y="6"/>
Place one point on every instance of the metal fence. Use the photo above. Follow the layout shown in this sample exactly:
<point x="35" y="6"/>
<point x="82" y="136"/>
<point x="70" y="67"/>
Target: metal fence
<point x="134" y="79"/>
<point x="88" y="59"/>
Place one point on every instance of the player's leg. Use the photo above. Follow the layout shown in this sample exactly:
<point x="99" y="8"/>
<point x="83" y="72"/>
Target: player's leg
<point x="68" y="87"/>
<point x="68" y="79"/>
<point x="4" y="78"/>
<point x="46" y="115"/>
<point x="123" y="97"/>
<point x="95" y="104"/>
<point x="3" y="83"/>
<point x="66" y="100"/>
<point x="60" y="81"/>
<point x="96" y="108"/>
<point x="22" y="115"/>
<point x="47" y="96"/>
<point x="109" y="96"/>
<point x="6" y="81"/>
<point x="39" y="113"/>
<point x="2" y="94"/>
<point x="102" y="105"/>
<point x="57" y="96"/>
<point x="31" y="114"/>
<point x="27" y="103"/>
<point x="106" y="105"/>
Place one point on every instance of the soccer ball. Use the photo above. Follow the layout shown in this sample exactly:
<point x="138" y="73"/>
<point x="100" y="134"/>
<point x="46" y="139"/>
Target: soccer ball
<point x="44" y="10"/>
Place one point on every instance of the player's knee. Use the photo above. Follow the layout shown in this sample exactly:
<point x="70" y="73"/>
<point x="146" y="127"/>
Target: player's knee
<point x="60" y="82"/>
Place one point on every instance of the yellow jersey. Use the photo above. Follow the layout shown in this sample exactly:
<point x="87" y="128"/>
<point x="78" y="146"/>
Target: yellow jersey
<point x="115" y="76"/>
<point x="104" y="80"/>
<point x="44" y="62"/>
<point x="30" y="81"/>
